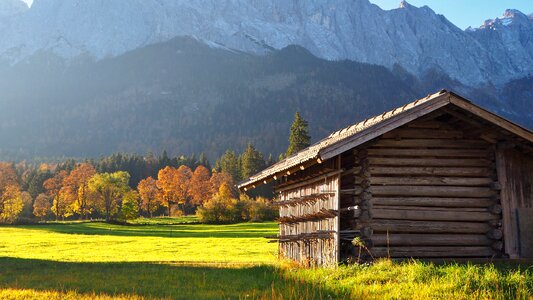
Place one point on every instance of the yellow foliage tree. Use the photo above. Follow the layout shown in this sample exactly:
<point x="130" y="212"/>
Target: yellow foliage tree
<point x="11" y="202"/>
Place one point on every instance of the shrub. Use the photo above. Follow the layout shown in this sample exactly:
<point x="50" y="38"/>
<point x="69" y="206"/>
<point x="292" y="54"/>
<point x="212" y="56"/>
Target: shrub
<point x="224" y="208"/>
<point x="259" y="210"/>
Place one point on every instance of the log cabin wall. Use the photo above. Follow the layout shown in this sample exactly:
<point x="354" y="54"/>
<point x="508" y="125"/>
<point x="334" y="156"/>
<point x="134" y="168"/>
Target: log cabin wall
<point x="515" y="172"/>
<point x="422" y="190"/>
<point x="308" y="219"/>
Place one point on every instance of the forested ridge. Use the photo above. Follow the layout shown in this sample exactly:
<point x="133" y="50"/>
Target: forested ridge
<point x="186" y="97"/>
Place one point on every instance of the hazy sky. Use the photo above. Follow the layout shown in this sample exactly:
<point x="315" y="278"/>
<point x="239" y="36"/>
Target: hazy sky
<point x="464" y="13"/>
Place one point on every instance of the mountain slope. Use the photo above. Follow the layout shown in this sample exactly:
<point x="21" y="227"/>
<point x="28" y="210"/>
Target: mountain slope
<point x="186" y="97"/>
<point x="9" y="8"/>
<point x="415" y="38"/>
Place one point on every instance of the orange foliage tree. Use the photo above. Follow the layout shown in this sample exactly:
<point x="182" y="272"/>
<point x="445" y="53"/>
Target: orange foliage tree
<point x="166" y="182"/>
<point x="149" y="193"/>
<point x="42" y="206"/>
<point x="183" y="187"/>
<point x="75" y="189"/>
<point x="218" y="179"/>
<point x="53" y="189"/>
<point x="200" y="187"/>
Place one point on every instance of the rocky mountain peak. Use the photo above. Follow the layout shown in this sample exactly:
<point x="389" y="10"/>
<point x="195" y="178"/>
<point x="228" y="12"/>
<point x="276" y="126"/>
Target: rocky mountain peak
<point x="405" y="4"/>
<point x="415" y="38"/>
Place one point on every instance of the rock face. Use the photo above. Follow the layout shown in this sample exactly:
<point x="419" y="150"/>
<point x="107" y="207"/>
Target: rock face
<point x="9" y="8"/>
<point x="415" y="38"/>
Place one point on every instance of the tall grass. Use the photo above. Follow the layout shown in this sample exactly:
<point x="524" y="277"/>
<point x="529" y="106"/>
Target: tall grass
<point x="103" y="261"/>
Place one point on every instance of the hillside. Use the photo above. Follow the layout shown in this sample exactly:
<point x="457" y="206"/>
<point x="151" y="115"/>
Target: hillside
<point x="187" y="97"/>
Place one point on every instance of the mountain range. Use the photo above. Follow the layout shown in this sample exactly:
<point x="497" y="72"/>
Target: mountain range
<point x="417" y="39"/>
<point x="89" y="77"/>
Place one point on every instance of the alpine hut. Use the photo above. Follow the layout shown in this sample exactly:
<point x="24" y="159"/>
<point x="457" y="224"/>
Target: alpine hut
<point x="437" y="178"/>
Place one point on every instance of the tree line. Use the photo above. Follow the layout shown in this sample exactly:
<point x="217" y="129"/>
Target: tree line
<point x="124" y="186"/>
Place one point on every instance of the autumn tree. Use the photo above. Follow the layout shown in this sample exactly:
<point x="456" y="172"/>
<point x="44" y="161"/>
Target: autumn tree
<point x="27" y="205"/>
<point x="75" y="189"/>
<point x="252" y="161"/>
<point x="109" y="188"/>
<point x="299" y="138"/>
<point x="218" y="179"/>
<point x="200" y="186"/>
<point x="149" y="194"/>
<point x="42" y="206"/>
<point x="166" y="182"/>
<point x="53" y="189"/>
<point x="130" y="206"/>
<point x="11" y="202"/>
<point x="183" y="184"/>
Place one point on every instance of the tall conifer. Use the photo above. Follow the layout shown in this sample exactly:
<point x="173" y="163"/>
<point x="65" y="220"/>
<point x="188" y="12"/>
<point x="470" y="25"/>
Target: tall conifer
<point x="299" y="138"/>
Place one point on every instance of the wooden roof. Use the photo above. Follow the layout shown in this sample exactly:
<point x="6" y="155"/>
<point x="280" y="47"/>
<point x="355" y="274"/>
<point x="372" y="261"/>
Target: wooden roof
<point x="357" y="134"/>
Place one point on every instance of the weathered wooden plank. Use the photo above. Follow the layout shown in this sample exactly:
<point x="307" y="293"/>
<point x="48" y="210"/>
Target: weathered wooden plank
<point x="432" y="171"/>
<point x="428" y="152"/>
<point x="395" y="214"/>
<point x="402" y="226"/>
<point x="428" y="124"/>
<point x="430" y="191"/>
<point x="423" y="134"/>
<point x="309" y="181"/>
<point x="434" y="201"/>
<point x="515" y="174"/>
<point x="457" y="181"/>
<point x="431" y="143"/>
<point x="440" y="252"/>
<point x="430" y="240"/>
<point x="430" y="162"/>
<point x="460" y="209"/>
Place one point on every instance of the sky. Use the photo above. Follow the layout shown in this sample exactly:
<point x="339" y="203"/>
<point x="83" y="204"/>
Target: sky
<point x="464" y="13"/>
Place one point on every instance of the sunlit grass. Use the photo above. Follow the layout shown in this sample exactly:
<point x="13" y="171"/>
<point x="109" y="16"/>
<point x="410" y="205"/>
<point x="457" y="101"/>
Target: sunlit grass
<point x="101" y="242"/>
<point x="192" y="219"/>
<point x="418" y="280"/>
<point x="194" y="261"/>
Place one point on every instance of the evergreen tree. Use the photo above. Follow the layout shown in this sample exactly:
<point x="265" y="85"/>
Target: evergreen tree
<point x="299" y="138"/>
<point x="229" y="163"/>
<point x="270" y="161"/>
<point x="252" y="161"/>
<point x="203" y="161"/>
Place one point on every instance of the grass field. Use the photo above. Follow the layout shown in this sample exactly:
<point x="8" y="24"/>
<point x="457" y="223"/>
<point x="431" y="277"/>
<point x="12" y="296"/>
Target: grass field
<point x="153" y="259"/>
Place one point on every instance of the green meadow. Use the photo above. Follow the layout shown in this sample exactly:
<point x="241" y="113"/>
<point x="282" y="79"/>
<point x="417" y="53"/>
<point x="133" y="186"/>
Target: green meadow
<point x="178" y="259"/>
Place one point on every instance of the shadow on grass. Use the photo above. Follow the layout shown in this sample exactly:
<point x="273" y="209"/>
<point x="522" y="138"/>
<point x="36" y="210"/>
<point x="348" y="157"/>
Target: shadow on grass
<point x="243" y="230"/>
<point x="155" y="280"/>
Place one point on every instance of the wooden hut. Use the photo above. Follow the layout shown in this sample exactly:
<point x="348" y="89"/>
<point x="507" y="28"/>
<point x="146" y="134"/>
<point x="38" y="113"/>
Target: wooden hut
<point x="437" y="178"/>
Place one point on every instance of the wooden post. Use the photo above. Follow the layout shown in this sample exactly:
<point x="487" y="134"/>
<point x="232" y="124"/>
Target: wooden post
<point x="509" y="214"/>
